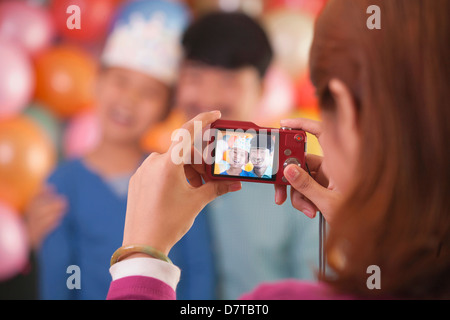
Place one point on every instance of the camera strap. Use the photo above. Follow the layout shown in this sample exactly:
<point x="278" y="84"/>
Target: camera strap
<point x="322" y="240"/>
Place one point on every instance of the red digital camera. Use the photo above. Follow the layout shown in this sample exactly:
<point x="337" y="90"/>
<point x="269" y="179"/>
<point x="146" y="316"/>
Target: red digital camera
<point x="246" y="152"/>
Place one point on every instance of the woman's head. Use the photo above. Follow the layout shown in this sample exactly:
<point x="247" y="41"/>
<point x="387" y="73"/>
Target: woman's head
<point x="385" y="109"/>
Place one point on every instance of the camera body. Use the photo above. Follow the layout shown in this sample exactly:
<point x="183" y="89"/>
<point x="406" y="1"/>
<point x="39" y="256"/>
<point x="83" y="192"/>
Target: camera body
<point x="246" y="152"/>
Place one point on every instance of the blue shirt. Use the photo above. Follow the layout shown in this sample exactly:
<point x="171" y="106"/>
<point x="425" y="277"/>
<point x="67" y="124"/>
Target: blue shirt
<point x="92" y="230"/>
<point x="266" y="175"/>
<point x="257" y="241"/>
<point x="242" y="174"/>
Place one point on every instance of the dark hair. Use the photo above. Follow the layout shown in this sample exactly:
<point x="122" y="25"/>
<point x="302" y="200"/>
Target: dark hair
<point x="261" y="141"/>
<point x="228" y="40"/>
<point x="397" y="214"/>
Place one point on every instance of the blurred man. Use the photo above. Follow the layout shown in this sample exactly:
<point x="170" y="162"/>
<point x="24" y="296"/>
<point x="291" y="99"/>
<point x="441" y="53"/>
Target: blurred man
<point x="226" y="56"/>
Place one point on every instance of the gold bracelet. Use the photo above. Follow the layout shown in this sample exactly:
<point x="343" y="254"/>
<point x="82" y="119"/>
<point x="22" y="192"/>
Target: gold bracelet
<point x="124" y="252"/>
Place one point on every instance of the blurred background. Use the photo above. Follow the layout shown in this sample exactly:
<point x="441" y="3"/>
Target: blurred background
<point x="47" y="76"/>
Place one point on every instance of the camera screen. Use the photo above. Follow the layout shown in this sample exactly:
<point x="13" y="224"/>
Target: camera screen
<point x="248" y="155"/>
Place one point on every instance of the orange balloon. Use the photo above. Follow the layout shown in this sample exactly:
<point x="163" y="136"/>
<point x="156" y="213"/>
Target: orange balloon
<point x="26" y="157"/>
<point x="65" y="78"/>
<point x="158" y="138"/>
<point x="306" y="94"/>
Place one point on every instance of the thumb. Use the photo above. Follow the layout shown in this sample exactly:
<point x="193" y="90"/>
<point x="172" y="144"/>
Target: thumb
<point x="301" y="181"/>
<point x="213" y="189"/>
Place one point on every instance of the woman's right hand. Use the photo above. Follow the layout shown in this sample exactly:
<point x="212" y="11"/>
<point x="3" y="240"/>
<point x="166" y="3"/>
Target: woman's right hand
<point x="165" y="195"/>
<point x="309" y="194"/>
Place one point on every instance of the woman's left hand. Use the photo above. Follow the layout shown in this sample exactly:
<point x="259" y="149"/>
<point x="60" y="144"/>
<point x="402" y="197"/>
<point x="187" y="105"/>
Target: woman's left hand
<point x="162" y="204"/>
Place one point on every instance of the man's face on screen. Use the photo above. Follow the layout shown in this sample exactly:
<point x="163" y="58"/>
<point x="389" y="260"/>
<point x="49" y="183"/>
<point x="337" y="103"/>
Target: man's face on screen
<point x="259" y="157"/>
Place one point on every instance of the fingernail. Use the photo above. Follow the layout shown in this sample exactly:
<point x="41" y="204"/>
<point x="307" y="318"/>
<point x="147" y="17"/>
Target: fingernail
<point x="292" y="173"/>
<point x="235" y="187"/>
<point x="308" y="213"/>
<point x="217" y="113"/>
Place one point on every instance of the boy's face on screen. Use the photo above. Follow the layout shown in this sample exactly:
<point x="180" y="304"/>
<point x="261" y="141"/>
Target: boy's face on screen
<point x="129" y="102"/>
<point x="202" y="88"/>
<point x="238" y="158"/>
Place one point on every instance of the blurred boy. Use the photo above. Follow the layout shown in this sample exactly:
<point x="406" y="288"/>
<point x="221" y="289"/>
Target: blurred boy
<point x="226" y="58"/>
<point x="139" y="68"/>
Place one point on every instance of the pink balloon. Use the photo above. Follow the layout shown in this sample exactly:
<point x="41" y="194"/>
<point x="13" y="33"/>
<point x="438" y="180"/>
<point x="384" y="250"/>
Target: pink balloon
<point x="81" y="135"/>
<point x="14" y="246"/>
<point x="279" y="96"/>
<point x="29" y="26"/>
<point x="16" y="79"/>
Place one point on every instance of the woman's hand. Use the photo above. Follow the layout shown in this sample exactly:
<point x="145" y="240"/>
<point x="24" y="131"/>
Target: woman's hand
<point x="162" y="204"/>
<point x="309" y="194"/>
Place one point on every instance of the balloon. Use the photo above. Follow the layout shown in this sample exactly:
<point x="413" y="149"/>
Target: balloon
<point x="95" y="18"/>
<point x="30" y="27"/>
<point x="65" y="79"/>
<point x="158" y="138"/>
<point x="14" y="246"/>
<point x="16" y="79"/>
<point x="46" y="121"/>
<point x="81" y="135"/>
<point x="26" y="158"/>
<point x="278" y="98"/>
<point x="291" y="34"/>
<point x="305" y="94"/>
<point x="311" y="6"/>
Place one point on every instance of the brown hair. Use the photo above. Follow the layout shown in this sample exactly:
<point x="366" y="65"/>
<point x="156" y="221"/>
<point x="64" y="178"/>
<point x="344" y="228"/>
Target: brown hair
<point x="398" y="215"/>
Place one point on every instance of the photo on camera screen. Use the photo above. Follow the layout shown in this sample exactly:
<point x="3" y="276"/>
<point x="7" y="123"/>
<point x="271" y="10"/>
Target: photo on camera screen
<point x="245" y="155"/>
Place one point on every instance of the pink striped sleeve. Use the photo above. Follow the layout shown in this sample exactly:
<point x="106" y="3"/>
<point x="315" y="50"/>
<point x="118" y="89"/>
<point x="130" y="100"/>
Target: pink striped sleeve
<point x="140" y="288"/>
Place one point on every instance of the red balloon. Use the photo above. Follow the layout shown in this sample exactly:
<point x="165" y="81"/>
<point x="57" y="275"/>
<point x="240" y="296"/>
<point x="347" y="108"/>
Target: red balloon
<point x="28" y="26"/>
<point x="95" y="18"/>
